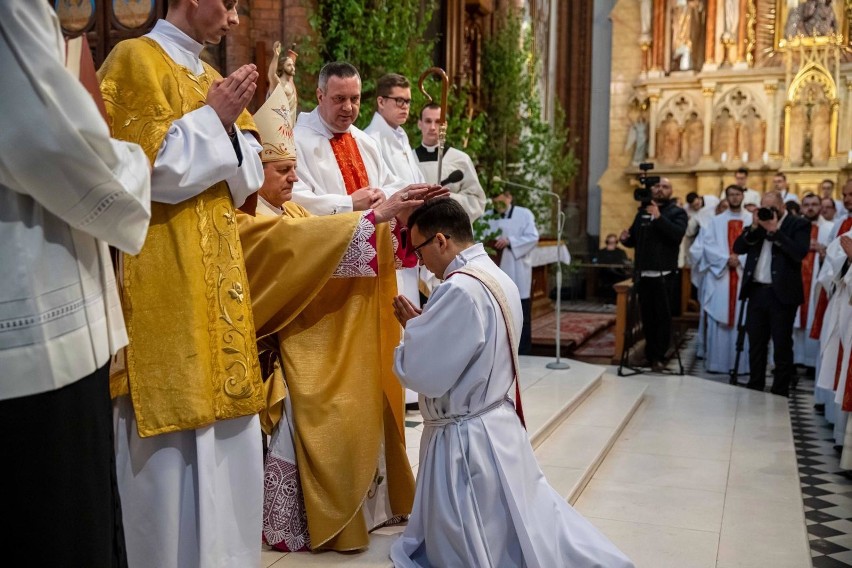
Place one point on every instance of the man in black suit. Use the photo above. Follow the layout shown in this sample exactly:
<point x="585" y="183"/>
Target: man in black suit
<point x="772" y="282"/>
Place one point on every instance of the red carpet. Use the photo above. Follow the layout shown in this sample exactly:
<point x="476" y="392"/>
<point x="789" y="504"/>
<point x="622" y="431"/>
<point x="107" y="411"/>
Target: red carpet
<point x="601" y="346"/>
<point x="576" y="327"/>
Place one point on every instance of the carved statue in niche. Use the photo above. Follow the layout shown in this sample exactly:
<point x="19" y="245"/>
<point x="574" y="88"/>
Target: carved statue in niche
<point x="732" y="15"/>
<point x="645" y="11"/>
<point x="820" y="129"/>
<point x="724" y="135"/>
<point x="637" y="139"/>
<point x="752" y="134"/>
<point x="668" y="141"/>
<point x="687" y="18"/>
<point x="693" y="139"/>
<point x="812" y="17"/>
<point x="798" y="131"/>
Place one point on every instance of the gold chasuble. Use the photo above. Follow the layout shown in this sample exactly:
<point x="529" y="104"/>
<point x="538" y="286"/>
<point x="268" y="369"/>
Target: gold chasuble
<point x="336" y="338"/>
<point x="192" y="357"/>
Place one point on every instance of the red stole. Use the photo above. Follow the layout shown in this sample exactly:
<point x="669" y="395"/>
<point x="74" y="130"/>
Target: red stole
<point x="807" y="276"/>
<point x="735" y="227"/>
<point x="822" y="303"/>
<point x="350" y="162"/>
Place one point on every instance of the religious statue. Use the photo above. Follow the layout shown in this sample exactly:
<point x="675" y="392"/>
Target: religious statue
<point x="282" y="69"/>
<point x="751" y="140"/>
<point x="645" y="12"/>
<point x="637" y="138"/>
<point x="693" y="139"/>
<point x="812" y="18"/>
<point x="687" y="34"/>
<point x="668" y="141"/>
<point x="724" y="135"/>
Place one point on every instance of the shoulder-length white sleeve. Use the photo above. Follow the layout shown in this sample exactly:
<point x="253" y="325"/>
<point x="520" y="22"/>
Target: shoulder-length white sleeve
<point x="439" y="344"/>
<point x="56" y="146"/>
<point x="198" y="153"/>
<point x="525" y="242"/>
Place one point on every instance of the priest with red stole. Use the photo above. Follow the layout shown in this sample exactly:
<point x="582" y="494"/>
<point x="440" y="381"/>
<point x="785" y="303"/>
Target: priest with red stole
<point x="722" y="283"/>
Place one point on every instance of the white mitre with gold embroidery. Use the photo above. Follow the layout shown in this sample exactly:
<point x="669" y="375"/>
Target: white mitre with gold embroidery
<point x="275" y="121"/>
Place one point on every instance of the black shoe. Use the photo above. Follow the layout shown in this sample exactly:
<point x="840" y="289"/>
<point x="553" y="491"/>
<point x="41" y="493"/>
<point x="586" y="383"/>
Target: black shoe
<point x="819" y="408"/>
<point x="657" y="367"/>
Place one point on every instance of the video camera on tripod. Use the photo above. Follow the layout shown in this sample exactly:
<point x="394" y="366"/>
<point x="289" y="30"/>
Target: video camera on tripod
<point x="644" y="193"/>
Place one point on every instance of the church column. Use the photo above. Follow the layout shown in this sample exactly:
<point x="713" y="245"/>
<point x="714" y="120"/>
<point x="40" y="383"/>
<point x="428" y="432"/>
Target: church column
<point x="710" y="37"/>
<point x="659" y="29"/>
<point x="708" y="92"/>
<point x="835" y="119"/>
<point x="654" y="98"/>
<point x="742" y="34"/>
<point x="788" y="109"/>
<point x="771" y="89"/>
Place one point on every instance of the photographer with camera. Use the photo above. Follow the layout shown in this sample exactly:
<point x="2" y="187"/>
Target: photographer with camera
<point x="656" y="233"/>
<point x="776" y="242"/>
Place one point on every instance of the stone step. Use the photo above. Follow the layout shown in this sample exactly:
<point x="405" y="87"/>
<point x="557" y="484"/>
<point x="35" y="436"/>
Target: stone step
<point x="573" y="452"/>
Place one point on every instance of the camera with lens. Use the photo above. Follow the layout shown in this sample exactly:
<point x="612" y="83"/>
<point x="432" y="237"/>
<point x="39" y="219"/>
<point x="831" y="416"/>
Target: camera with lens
<point x="765" y="214"/>
<point x="644" y="193"/>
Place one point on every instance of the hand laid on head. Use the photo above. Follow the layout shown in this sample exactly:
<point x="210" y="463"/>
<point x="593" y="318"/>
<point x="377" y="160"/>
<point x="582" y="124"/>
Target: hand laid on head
<point x="367" y="198"/>
<point x="230" y="96"/>
<point x="404" y="201"/>
<point x="404" y="310"/>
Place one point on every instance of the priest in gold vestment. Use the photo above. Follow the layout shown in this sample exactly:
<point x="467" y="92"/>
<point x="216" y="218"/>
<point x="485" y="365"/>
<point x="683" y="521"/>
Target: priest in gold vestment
<point x="330" y="417"/>
<point x="188" y="390"/>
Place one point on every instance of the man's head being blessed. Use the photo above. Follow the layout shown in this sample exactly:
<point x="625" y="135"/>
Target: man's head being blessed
<point x="811" y="207"/>
<point x="429" y="124"/>
<point x="393" y="99"/>
<point x="205" y="21"/>
<point x="339" y="95"/>
<point x="440" y="230"/>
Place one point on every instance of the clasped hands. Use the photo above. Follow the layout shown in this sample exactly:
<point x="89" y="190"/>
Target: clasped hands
<point x="404" y="310"/>
<point x="228" y="97"/>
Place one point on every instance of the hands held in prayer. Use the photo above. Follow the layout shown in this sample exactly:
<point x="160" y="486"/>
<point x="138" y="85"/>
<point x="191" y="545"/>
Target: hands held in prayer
<point x="404" y="201"/>
<point x="367" y="198"/>
<point x="733" y="260"/>
<point x="846" y="245"/>
<point x="404" y="310"/>
<point x="230" y="96"/>
<point x="501" y="243"/>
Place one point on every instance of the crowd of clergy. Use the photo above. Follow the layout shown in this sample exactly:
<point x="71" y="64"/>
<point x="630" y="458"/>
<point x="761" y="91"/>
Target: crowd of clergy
<point x="213" y="316"/>
<point x="822" y="336"/>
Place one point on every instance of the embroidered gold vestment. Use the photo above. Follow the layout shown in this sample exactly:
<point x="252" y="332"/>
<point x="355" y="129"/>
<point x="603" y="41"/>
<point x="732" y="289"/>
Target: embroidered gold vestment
<point x="192" y="357"/>
<point x="336" y="338"/>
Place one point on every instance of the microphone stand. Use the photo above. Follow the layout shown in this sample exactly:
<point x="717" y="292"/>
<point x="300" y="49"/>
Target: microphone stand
<point x="560" y="223"/>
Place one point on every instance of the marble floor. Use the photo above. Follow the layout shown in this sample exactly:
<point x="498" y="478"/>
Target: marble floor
<point x="695" y="473"/>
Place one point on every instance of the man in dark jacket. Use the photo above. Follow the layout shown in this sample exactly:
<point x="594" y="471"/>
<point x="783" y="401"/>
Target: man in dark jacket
<point x="656" y="233"/>
<point x="772" y="282"/>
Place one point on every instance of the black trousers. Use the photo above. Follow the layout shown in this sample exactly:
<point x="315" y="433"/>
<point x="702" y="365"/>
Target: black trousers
<point x="57" y="479"/>
<point x="657" y="302"/>
<point x="767" y="318"/>
<point x="525" y="347"/>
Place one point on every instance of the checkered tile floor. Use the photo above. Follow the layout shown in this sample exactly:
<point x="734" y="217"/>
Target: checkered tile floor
<point x="827" y="496"/>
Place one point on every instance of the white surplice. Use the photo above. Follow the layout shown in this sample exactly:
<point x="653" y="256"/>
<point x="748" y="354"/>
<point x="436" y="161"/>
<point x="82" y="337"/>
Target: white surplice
<point x="193" y="498"/>
<point x="481" y="497"/>
<point x="716" y="299"/>
<point x="468" y="192"/>
<point x="67" y="190"/>
<point x="806" y="349"/>
<point x="401" y="161"/>
<point x="320" y="188"/>
<point x="833" y="325"/>
<point x="517" y="225"/>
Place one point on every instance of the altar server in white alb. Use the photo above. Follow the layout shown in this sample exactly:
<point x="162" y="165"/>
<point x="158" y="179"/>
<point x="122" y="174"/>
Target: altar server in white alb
<point x="806" y="348"/>
<point x="482" y="499"/>
<point x="67" y="191"/>
<point x="721" y="284"/>
<point x="468" y="192"/>
<point x="515" y="244"/>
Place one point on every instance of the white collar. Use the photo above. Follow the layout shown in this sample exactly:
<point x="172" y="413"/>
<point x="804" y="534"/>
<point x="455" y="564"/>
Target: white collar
<point x="465" y="257"/>
<point x="271" y="207"/>
<point x="175" y="36"/>
<point x="314" y="121"/>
